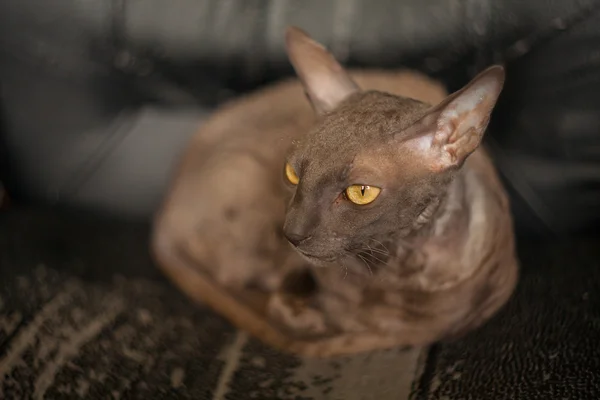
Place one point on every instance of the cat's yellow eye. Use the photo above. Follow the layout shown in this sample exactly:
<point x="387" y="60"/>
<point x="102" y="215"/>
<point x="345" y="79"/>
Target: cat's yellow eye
<point x="290" y="174"/>
<point x="362" y="194"/>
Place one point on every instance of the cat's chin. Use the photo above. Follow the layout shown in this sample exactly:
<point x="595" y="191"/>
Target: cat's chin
<point x="317" y="261"/>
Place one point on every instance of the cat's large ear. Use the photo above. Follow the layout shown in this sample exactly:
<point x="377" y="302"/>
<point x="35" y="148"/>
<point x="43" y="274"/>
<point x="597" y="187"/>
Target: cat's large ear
<point x="452" y="130"/>
<point x="325" y="81"/>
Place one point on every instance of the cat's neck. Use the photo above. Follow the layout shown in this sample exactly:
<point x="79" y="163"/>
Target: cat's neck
<point x="447" y="215"/>
<point x="452" y="215"/>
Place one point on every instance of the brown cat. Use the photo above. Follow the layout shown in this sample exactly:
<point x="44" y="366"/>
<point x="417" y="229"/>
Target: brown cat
<point x="399" y="228"/>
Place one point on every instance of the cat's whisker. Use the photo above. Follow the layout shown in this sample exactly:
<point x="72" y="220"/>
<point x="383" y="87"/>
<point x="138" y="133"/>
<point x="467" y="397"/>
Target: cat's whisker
<point x="379" y="260"/>
<point x="377" y="251"/>
<point x="373" y="256"/>
<point x="344" y="267"/>
<point x="364" y="260"/>
<point x="372" y="252"/>
<point x="381" y="244"/>
<point x="383" y="265"/>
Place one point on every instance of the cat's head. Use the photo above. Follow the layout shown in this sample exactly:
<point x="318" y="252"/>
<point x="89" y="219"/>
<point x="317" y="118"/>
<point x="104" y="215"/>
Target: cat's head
<point x="374" y="163"/>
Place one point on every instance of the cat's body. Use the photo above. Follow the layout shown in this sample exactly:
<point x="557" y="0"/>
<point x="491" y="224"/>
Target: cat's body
<point x="445" y="271"/>
<point x="448" y="277"/>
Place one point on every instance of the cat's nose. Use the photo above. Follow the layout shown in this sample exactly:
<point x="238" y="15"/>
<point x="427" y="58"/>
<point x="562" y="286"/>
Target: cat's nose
<point x="295" y="238"/>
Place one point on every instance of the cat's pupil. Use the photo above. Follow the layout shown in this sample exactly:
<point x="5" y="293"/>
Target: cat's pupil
<point x="362" y="190"/>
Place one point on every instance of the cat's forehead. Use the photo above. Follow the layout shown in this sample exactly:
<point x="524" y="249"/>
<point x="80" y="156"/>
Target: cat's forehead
<point x="364" y="122"/>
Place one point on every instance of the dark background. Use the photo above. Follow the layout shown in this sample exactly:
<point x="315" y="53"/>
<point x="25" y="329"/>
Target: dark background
<point x="98" y="98"/>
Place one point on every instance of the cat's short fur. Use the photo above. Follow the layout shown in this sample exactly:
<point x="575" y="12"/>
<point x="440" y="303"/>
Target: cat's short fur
<point x="431" y="257"/>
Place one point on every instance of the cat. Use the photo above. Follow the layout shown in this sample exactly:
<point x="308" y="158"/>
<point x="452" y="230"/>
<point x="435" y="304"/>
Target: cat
<point x="379" y="201"/>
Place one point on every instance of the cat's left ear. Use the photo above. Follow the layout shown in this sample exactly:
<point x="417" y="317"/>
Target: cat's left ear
<point x="325" y="81"/>
<point x="452" y="130"/>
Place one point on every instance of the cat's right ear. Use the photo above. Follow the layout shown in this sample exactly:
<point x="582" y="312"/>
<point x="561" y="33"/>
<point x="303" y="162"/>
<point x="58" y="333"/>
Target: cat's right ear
<point x="325" y="81"/>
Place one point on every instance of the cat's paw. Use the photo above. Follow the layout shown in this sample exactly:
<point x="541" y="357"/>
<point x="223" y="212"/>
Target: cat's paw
<point x="296" y="315"/>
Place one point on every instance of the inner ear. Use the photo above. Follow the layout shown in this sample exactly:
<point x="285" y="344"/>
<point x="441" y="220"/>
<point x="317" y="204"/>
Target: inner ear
<point x="325" y="81"/>
<point x="452" y="130"/>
